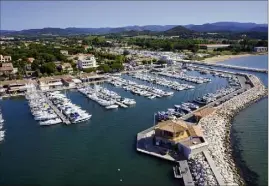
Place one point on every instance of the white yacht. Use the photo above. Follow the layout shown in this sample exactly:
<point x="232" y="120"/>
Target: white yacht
<point x="51" y="122"/>
<point x="112" y="107"/>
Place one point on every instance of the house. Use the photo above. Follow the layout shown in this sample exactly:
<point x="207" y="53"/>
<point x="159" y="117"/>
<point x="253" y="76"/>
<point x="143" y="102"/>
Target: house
<point x="86" y="47"/>
<point x="30" y="60"/>
<point x="185" y="137"/>
<point x="64" y="52"/>
<point x="260" y="49"/>
<point x="5" y="59"/>
<point x="86" y="61"/>
<point x="66" y="67"/>
<point x="213" y="46"/>
<point x="6" y="68"/>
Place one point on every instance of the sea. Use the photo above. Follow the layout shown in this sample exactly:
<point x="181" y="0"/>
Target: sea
<point x="102" y="151"/>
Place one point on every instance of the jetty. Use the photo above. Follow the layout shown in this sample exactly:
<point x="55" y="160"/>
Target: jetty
<point x="56" y="110"/>
<point x="120" y="104"/>
<point x="186" y="174"/>
<point x="225" y="66"/>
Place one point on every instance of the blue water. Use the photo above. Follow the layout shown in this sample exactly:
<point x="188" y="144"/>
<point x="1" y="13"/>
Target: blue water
<point x="88" y="153"/>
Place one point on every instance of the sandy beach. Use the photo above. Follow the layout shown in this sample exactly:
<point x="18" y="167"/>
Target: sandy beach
<point x="221" y="58"/>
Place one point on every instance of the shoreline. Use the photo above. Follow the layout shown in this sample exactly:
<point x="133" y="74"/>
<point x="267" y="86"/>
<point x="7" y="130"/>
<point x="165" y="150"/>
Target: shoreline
<point x="222" y="58"/>
<point x="219" y="136"/>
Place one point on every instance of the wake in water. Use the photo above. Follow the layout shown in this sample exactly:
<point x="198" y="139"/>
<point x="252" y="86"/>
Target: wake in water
<point x="2" y="132"/>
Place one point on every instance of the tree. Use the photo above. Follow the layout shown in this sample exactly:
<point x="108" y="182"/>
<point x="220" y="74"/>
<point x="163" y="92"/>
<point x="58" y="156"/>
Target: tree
<point x="104" y="68"/>
<point x="35" y="65"/>
<point x="48" y="68"/>
<point x="88" y="70"/>
<point x="117" y="67"/>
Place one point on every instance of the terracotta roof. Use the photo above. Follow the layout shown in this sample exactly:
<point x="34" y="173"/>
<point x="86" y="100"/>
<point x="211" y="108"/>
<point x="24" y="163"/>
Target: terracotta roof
<point x="30" y="59"/>
<point x="204" y="112"/>
<point x="172" y="126"/>
<point x="195" y="130"/>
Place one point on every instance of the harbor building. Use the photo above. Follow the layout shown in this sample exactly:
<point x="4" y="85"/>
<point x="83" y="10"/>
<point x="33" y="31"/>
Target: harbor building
<point x="86" y="61"/>
<point x="15" y="86"/>
<point x="260" y="49"/>
<point x="47" y="83"/>
<point x="184" y="137"/>
<point x="71" y="82"/>
<point x="91" y="77"/>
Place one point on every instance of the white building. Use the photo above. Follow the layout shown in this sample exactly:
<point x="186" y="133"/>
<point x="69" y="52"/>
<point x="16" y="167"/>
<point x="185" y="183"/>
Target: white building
<point x="86" y="61"/>
<point x="260" y="49"/>
<point x="64" y="52"/>
<point x="5" y="59"/>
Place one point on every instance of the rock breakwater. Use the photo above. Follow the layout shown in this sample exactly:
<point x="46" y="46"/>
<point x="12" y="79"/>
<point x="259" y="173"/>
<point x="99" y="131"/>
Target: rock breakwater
<point x="216" y="127"/>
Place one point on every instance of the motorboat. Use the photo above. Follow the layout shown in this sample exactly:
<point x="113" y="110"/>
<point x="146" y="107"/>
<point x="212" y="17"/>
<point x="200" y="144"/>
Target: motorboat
<point x="50" y="122"/>
<point x="177" y="172"/>
<point x="112" y="107"/>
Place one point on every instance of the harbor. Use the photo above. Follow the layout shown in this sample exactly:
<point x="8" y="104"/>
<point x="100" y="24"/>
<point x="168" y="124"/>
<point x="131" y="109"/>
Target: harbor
<point x="86" y="134"/>
<point x="228" y="108"/>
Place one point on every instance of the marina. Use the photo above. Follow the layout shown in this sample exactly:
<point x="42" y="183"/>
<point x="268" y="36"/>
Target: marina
<point x="107" y="98"/>
<point x="149" y="92"/>
<point x="163" y="82"/>
<point x="184" y="76"/>
<point x="42" y="109"/>
<point x="87" y="132"/>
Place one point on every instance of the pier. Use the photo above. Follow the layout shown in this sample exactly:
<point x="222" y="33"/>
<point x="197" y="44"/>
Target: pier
<point x="213" y="168"/>
<point x="186" y="173"/>
<point x="226" y="66"/>
<point x="56" y="110"/>
<point x="121" y="104"/>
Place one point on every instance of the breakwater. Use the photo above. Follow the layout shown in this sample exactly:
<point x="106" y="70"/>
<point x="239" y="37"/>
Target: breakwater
<point x="226" y="66"/>
<point x="217" y="126"/>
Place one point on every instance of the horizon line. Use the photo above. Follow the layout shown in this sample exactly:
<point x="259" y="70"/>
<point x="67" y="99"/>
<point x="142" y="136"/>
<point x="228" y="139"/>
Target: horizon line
<point x="134" y="25"/>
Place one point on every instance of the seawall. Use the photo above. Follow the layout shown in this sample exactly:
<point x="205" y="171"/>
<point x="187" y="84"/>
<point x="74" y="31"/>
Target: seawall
<point x="217" y="127"/>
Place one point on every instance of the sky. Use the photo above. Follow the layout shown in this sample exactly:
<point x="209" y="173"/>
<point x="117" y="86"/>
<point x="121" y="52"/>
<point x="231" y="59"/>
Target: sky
<point x="18" y="15"/>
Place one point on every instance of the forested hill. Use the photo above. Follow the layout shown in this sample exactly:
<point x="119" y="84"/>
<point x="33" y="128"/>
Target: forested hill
<point x="167" y="30"/>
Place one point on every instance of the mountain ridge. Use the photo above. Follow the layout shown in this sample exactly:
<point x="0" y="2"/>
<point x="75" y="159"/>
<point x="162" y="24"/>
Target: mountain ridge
<point x="164" y="29"/>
